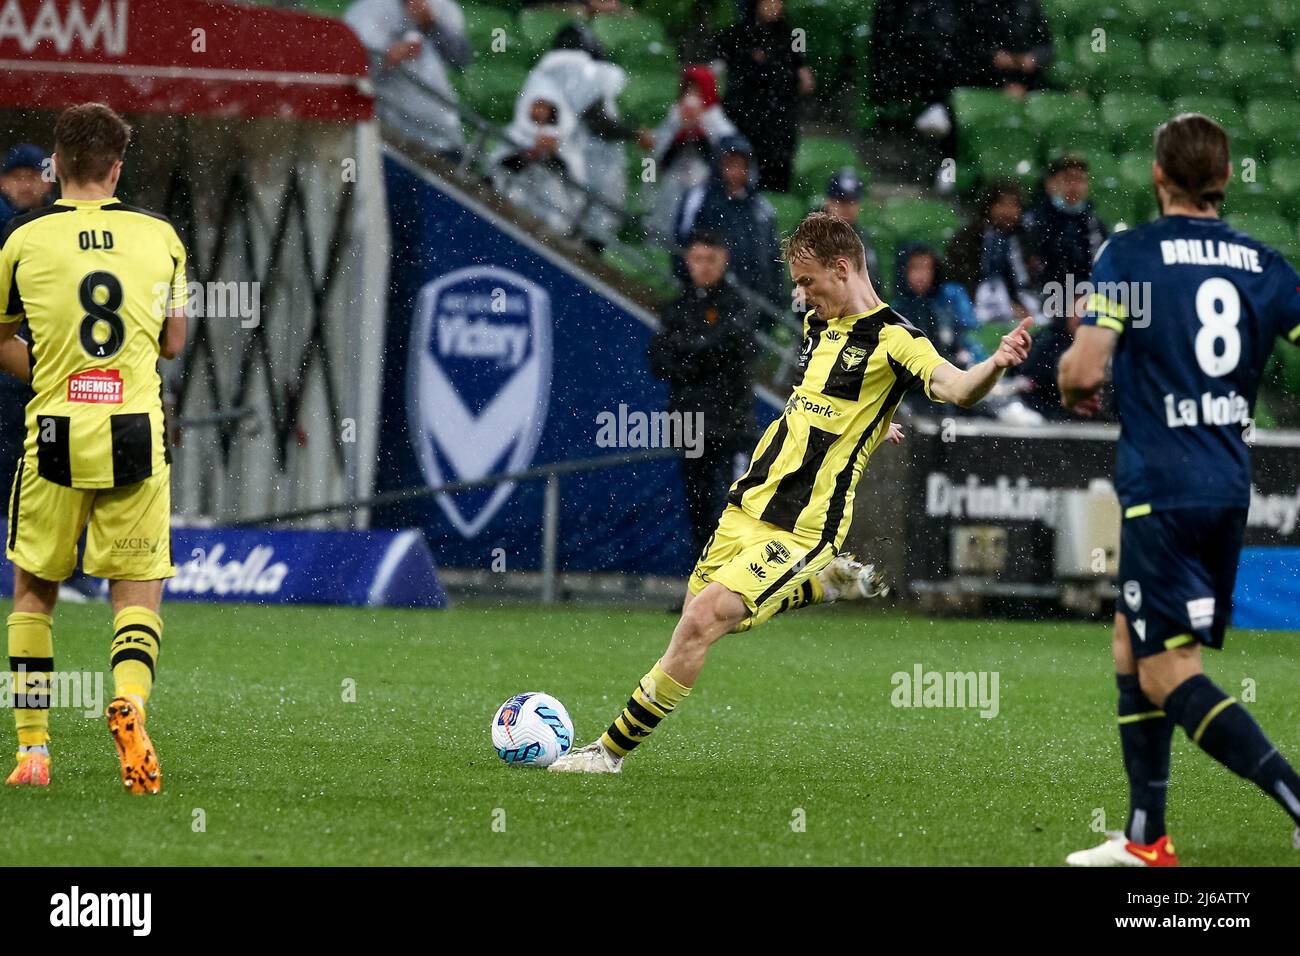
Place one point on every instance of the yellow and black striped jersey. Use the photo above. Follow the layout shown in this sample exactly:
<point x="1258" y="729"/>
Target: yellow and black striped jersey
<point x="95" y="280"/>
<point x="854" y="372"/>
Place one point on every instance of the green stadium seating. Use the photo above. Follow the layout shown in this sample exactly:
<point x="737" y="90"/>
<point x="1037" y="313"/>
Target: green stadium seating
<point x="1283" y="176"/>
<point x="919" y="220"/>
<point x="1257" y="69"/>
<point x="828" y="27"/>
<point x="1275" y="125"/>
<point x="538" y="25"/>
<point x="1012" y="153"/>
<point x="1144" y="18"/>
<point x="975" y="108"/>
<point x="790" y="210"/>
<point x="647" y="264"/>
<point x="1271" y="230"/>
<point x="1046" y="112"/>
<point x="817" y="160"/>
<point x="648" y="96"/>
<point x="616" y="30"/>
<point x="1254" y="199"/>
<point x="480" y="22"/>
<point x="1132" y="118"/>
<point x="1241" y="140"/>
<point x="1116" y="68"/>
<point x="1285" y="14"/>
<point x="491" y="87"/>
<point x="1183" y="67"/>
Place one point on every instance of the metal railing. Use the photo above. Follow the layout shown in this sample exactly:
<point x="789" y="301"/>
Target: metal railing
<point x="550" y="473"/>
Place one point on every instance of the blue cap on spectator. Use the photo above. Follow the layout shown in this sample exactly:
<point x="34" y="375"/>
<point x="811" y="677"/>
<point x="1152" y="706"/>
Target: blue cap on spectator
<point x="24" y="156"/>
<point x="735" y="143"/>
<point x="845" y="186"/>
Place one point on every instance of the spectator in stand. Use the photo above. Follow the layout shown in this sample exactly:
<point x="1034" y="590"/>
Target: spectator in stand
<point x="704" y="351"/>
<point x="1040" y="392"/>
<point x="538" y="168"/>
<point x="766" y="76"/>
<point x="844" y="194"/>
<point x="940" y="309"/>
<point x="23" y="186"/>
<point x="914" y="47"/>
<point x="590" y="85"/>
<point x="412" y="45"/>
<point x="1063" y="228"/>
<point x="685" y="145"/>
<point x="1007" y="43"/>
<point x="731" y="206"/>
<point x="988" y="256"/>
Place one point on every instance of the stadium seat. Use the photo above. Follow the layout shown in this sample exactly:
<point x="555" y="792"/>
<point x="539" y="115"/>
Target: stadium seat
<point x="1283" y="175"/>
<point x="790" y="210"/>
<point x="1275" y="125"/>
<point x="628" y="31"/>
<point x="818" y="158"/>
<point x="1116" y="68"/>
<point x="1011" y="153"/>
<point x="1131" y="118"/>
<point x="1047" y="112"/>
<point x="649" y="265"/>
<point x="538" y="25"/>
<point x="1144" y="18"/>
<point x="648" y="96"/>
<point x="1270" y="230"/>
<point x="481" y="20"/>
<point x="828" y="27"/>
<point x="1257" y="69"/>
<point x="919" y="220"/>
<point x="975" y="108"/>
<point x="490" y="88"/>
<point x="1254" y="199"/>
<point x="1184" y="67"/>
<point x="1286" y="15"/>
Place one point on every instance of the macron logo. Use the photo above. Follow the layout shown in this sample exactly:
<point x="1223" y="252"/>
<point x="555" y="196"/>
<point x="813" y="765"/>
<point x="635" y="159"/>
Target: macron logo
<point x="134" y="910"/>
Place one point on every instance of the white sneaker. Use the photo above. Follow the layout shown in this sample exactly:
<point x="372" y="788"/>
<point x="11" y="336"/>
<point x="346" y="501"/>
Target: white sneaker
<point x="1118" y="851"/>
<point x="593" y="758"/>
<point x="846" y="579"/>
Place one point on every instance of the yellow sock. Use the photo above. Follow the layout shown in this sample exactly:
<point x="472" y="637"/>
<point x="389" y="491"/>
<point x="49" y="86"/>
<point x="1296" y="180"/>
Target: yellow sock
<point x="653" y="700"/>
<point x="137" y="639"/>
<point x="31" y="663"/>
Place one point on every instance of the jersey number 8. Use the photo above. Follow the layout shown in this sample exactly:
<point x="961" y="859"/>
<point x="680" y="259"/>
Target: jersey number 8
<point x="1218" y="306"/>
<point x="105" y="312"/>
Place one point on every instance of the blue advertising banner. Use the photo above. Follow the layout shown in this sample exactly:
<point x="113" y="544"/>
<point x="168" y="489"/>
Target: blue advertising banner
<point x="359" y="568"/>
<point x="500" y="358"/>
<point x="1267" y="595"/>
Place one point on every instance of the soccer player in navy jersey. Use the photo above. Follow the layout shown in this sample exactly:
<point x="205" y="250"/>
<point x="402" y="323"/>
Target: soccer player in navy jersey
<point x="1187" y="309"/>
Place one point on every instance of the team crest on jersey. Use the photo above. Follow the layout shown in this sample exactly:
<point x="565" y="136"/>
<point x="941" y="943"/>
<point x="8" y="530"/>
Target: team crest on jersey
<point x="851" y="357"/>
<point x="1133" y="595"/>
<point x="478" y="383"/>
<point x="776" y="553"/>
<point x="757" y="571"/>
<point x="834" y="336"/>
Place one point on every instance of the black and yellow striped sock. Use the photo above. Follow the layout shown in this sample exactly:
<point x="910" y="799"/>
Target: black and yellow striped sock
<point x="653" y="700"/>
<point x="31" y="663"/>
<point x="137" y="639"/>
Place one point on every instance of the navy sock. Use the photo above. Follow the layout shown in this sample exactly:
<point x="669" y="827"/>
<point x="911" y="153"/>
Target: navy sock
<point x="1225" y="730"/>
<point x="1145" y="736"/>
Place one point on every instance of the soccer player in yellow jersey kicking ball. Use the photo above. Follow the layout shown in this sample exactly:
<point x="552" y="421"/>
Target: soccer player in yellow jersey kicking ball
<point x="777" y="543"/>
<point x="102" y="286"/>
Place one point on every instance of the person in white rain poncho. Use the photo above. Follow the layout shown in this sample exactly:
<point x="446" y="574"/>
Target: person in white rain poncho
<point x="411" y="45"/>
<point x="539" y="167"/>
<point x="685" y="147"/>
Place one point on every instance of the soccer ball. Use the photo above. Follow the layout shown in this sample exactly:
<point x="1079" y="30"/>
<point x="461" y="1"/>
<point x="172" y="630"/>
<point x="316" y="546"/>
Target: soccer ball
<point x="532" y="729"/>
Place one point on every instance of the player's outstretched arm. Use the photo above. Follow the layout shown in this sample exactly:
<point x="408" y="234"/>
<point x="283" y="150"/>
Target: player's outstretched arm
<point x="172" y="342"/>
<point x="1083" y="366"/>
<point x="15" y="358"/>
<point x="966" y="388"/>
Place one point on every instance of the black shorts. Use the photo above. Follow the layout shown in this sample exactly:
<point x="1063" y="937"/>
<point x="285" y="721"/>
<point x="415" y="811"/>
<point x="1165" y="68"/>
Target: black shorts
<point x="1177" y="570"/>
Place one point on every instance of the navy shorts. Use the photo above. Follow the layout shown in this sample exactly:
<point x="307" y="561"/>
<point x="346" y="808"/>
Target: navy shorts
<point x="1177" y="569"/>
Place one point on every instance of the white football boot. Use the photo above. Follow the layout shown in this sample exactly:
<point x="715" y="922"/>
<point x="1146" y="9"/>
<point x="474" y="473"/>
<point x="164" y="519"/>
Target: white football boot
<point x="593" y="758"/>
<point x="1118" y="851"/>
<point x="846" y="579"/>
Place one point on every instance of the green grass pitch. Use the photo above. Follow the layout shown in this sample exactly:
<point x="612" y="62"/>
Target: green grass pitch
<point x="253" y="731"/>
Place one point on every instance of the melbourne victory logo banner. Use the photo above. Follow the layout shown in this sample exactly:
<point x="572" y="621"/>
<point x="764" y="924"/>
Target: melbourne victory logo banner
<point x="478" y="384"/>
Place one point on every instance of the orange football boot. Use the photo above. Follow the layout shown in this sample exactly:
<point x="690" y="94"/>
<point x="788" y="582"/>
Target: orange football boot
<point x="140" y="770"/>
<point x="33" y="770"/>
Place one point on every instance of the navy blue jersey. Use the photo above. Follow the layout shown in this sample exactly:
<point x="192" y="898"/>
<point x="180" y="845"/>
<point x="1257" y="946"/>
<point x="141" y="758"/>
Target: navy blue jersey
<point x="1198" y="306"/>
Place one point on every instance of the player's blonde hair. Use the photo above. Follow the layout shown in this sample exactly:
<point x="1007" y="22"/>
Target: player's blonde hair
<point x="824" y="238"/>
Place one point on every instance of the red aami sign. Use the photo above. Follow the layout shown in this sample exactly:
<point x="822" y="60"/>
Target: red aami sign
<point x="181" y="56"/>
<point x="97" y="386"/>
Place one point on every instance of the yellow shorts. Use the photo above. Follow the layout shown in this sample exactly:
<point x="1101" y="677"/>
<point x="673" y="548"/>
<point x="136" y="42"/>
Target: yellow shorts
<point x="762" y="563"/>
<point x="128" y="529"/>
